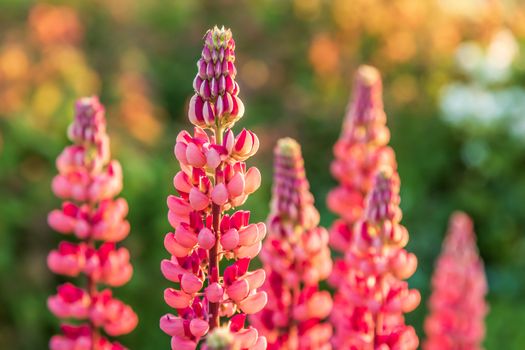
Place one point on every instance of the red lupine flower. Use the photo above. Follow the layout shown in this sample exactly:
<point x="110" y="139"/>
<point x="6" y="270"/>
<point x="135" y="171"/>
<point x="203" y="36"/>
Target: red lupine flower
<point x="457" y="305"/>
<point x="296" y="258"/>
<point x="373" y="297"/>
<point x="213" y="180"/>
<point x="87" y="181"/>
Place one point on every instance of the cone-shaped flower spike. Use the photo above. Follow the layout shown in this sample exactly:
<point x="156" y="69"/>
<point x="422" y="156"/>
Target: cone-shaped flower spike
<point x="361" y="149"/>
<point x="457" y="305"/>
<point x="296" y="258"/>
<point x="212" y="182"/>
<point x="88" y="181"/>
<point x="373" y="298"/>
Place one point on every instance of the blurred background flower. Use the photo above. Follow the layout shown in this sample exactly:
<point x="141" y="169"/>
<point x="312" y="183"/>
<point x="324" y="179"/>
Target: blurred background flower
<point x="454" y="74"/>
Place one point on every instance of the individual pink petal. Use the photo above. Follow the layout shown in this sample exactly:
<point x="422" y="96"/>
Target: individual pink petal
<point x="198" y="327"/>
<point x="195" y="156"/>
<point x="254" y="303"/>
<point x="236" y="185"/>
<point x="175" y="248"/>
<point x="206" y="238"/>
<point x="214" y="292"/>
<point x="230" y="239"/>
<point x="219" y="194"/>
<point x="246" y="338"/>
<point x="256" y="278"/>
<point x="172" y="325"/>
<point x="238" y="290"/>
<point x="179" y="343"/>
<point x="176" y="299"/>
<point x="190" y="283"/>
<point x="213" y="158"/>
<point x="185" y="237"/>
<point x="252" y="180"/>
<point x="198" y="200"/>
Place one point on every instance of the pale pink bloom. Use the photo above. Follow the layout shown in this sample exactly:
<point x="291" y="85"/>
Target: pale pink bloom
<point x="457" y="304"/>
<point x="90" y="179"/>
<point x="296" y="258"/>
<point x="213" y="180"/>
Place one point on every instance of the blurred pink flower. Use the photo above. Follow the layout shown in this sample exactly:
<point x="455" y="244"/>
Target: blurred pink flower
<point x="373" y="297"/>
<point x="87" y="181"/>
<point x="213" y="179"/>
<point x="296" y="258"/>
<point x="457" y="304"/>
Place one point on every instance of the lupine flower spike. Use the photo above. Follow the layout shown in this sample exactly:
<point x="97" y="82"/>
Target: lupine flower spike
<point x="88" y="181"/>
<point x="360" y="151"/>
<point x="212" y="182"/>
<point x="457" y="305"/>
<point x="374" y="293"/>
<point x="296" y="258"/>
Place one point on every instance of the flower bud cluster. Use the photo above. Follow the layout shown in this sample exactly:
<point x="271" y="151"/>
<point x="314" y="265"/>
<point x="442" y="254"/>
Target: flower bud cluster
<point x="296" y="258"/>
<point x="457" y="304"/>
<point x="87" y="182"/>
<point x="213" y="181"/>
<point x="374" y="295"/>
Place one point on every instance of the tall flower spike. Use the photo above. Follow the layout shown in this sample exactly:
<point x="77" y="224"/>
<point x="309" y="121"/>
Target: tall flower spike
<point x="296" y="258"/>
<point x="88" y="181"/>
<point x="360" y="151"/>
<point x="457" y="305"/>
<point x="213" y="180"/>
<point x="374" y="295"/>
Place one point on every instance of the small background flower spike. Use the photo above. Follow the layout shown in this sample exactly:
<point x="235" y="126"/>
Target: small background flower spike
<point x="88" y="181"/>
<point x="213" y="181"/>
<point x="457" y="305"/>
<point x="296" y="259"/>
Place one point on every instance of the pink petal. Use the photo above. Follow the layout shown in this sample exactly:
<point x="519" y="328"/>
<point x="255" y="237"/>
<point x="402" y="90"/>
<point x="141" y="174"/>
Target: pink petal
<point x="236" y="185"/>
<point x="214" y="292"/>
<point x="185" y="237"/>
<point x="230" y="240"/>
<point x="219" y="194"/>
<point x="195" y="156"/>
<point x="172" y="325"/>
<point x="254" y="303"/>
<point x="179" y="343"/>
<point x="198" y="200"/>
<point x="206" y="238"/>
<point x="173" y="247"/>
<point x="198" y="327"/>
<point x="256" y="278"/>
<point x="190" y="283"/>
<point x="213" y="158"/>
<point x="252" y="180"/>
<point x="238" y="290"/>
<point x="176" y="299"/>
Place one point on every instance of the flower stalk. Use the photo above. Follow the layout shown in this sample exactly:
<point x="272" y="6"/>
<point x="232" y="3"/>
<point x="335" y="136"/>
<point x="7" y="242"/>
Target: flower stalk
<point x="88" y="181"/>
<point x="213" y="181"/>
<point x="296" y="258"/>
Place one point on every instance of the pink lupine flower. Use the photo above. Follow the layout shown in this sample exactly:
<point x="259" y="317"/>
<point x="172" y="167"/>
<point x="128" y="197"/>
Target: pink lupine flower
<point x="374" y="296"/>
<point x="457" y="304"/>
<point x="361" y="149"/>
<point x="213" y="179"/>
<point x="296" y="258"/>
<point x="87" y="181"/>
